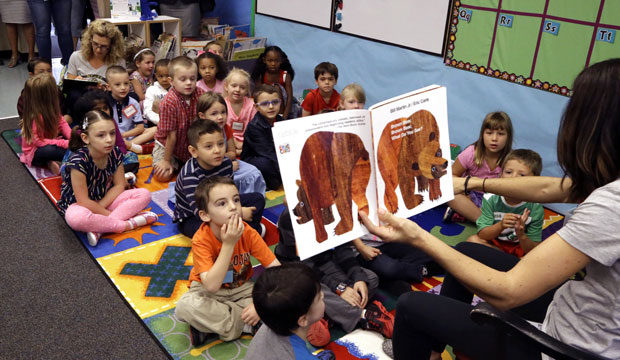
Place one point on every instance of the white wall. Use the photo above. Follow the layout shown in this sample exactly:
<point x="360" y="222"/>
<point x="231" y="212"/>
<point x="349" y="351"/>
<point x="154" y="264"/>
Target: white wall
<point x="385" y="71"/>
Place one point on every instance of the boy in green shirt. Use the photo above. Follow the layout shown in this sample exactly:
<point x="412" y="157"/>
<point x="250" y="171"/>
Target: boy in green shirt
<point x="508" y="224"/>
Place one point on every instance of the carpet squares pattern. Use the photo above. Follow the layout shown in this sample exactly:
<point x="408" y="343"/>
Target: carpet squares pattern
<point x="150" y="266"/>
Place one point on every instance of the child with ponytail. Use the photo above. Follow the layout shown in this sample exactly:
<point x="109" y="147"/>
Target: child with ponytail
<point x="93" y="196"/>
<point x="45" y="133"/>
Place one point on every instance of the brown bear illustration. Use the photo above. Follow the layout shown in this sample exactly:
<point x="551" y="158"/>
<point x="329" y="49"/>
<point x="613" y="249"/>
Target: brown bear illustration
<point x="334" y="169"/>
<point x="408" y="149"/>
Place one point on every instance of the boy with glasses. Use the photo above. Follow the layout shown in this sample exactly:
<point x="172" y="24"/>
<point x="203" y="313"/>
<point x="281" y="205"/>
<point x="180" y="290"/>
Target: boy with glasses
<point x="258" y="146"/>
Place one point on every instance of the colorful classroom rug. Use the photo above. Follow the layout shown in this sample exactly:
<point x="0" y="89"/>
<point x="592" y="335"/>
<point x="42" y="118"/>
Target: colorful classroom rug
<point x="150" y="266"/>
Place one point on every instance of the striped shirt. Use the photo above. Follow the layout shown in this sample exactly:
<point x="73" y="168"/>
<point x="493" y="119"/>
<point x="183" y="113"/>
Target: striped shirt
<point x="177" y="113"/>
<point x="190" y="176"/>
<point x="98" y="180"/>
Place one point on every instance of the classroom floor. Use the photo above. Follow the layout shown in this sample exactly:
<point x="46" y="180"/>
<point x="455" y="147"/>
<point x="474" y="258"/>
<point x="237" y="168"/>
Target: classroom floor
<point x="56" y="302"/>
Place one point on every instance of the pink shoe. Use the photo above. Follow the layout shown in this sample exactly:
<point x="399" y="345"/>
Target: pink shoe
<point x="142" y="219"/>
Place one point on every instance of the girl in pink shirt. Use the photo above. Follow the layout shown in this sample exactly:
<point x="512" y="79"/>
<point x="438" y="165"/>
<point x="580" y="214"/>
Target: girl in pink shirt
<point x="240" y="107"/>
<point x="212" y="70"/>
<point x="482" y="159"/>
<point x="45" y="133"/>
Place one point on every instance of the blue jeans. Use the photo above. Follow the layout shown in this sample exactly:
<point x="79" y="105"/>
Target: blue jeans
<point x="42" y="12"/>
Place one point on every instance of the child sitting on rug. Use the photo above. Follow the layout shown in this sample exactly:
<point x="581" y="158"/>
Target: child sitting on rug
<point x="483" y="159"/>
<point x="212" y="70"/>
<point x="273" y="68"/>
<point x="347" y="287"/>
<point x="212" y="106"/>
<point x="352" y="97"/>
<point x="214" y="46"/>
<point x="45" y="133"/>
<point x="258" y="147"/>
<point x="98" y="100"/>
<point x="219" y="300"/>
<point x="126" y="111"/>
<point x="156" y="92"/>
<point x="207" y="148"/>
<point x="35" y="67"/>
<point x="325" y="97"/>
<point x="177" y="111"/>
<point x="287" y="309"/>
<point x="509" y="224"/>
<point x="240" y="107"/>
<point x="142" y="78"/>
<point x="93" y="198"/>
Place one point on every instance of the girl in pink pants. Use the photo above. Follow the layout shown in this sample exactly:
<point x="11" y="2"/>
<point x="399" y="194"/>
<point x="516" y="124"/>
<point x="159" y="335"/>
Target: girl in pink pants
<point x="93" y="196"/>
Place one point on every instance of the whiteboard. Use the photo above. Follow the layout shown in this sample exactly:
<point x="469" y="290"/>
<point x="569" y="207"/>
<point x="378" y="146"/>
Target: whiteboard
<point x="416" y="24"/>
<point x="312" y="12"/>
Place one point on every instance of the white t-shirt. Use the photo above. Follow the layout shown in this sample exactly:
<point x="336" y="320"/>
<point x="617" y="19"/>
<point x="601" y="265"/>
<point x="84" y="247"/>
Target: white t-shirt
<point x="586" y="313"/>
<point x="153" y="92"/>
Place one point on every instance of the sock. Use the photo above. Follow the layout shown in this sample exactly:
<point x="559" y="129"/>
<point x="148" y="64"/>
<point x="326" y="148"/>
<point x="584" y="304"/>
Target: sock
<point x="136" y="148"/>
<point x="247" y="329"/>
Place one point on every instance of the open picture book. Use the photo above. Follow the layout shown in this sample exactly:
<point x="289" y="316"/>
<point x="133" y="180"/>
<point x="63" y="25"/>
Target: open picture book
<point x="395" y="155"/>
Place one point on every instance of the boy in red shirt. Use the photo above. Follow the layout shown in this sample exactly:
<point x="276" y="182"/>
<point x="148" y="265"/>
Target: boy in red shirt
<point x="323" y="98"/>
<point x="219" y="300"/>
<point x="177" y="111"/>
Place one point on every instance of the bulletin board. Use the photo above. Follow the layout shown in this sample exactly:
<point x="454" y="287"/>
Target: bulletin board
<point x="312" y="12"/>
<point x="416" y="24"/>
<point x="538" y="43"/>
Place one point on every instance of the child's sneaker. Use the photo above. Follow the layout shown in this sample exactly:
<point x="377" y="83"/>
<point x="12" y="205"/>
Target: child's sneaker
<point x="379" y="319"/>
<point x="318" y="334"/>
<point x="143" y="218"/>
<point x="451" y="216"/>
<point x="148" y="148"/>
<point x="130" y="178"/>
<point x="387" y="348"/>
<point x="198" y="337"/>
<point x="447" y="216"/>
<point x="263" y="230"/>
<point x="93" y="238"/>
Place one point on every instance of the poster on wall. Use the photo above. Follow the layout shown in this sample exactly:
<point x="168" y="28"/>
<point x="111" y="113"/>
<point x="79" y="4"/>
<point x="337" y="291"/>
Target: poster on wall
<point x="338" y="163"/>
<point x="540" y="44"/>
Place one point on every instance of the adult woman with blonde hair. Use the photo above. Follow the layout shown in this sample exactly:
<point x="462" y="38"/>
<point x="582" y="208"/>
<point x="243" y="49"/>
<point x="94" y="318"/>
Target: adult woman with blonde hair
<point x="102" y="46"/>
<point x="585" y="313"/>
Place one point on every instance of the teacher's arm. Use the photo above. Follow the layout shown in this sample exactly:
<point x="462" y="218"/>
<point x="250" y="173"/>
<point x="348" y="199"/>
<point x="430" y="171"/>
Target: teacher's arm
<point x="542" y="269"/>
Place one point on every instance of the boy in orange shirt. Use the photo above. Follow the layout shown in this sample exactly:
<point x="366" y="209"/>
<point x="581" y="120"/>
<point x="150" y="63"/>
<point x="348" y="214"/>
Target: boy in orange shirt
<point x="324" y="97"/>
<point x="219" y="300"/>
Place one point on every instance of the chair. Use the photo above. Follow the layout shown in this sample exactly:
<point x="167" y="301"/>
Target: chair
<point x="508" y="322"/>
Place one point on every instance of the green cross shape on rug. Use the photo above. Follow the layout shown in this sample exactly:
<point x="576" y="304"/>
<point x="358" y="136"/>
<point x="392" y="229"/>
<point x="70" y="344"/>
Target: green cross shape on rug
<point x="164" y="275"/>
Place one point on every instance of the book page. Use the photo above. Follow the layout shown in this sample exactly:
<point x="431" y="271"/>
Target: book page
<point x="412" y="150"/>
<point x="326" y="166"/>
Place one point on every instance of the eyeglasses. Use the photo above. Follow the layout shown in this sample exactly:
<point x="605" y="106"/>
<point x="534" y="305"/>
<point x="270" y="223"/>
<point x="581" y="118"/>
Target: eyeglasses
<point x="267" y="103"/>
<point x="99" y="46"/>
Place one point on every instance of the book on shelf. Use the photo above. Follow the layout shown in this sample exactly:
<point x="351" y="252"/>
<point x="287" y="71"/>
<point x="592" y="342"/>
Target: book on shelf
<point x="395" y="156"/>
<point x="163" y="47"/>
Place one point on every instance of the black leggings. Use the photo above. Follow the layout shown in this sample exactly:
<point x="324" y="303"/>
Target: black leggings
<point x="426" y="322"/>
<point x="48" y="153"/>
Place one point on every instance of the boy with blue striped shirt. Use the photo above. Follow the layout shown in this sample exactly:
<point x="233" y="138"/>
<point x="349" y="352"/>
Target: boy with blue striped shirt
<point x="208" y="150"/>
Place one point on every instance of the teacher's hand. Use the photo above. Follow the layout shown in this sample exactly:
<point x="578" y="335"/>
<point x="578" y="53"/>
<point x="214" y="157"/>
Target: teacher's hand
<point x="395" y="229"/>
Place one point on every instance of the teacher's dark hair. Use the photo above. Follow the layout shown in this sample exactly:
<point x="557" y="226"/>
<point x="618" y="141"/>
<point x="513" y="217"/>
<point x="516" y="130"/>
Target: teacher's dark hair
<point x="589" y="135"/>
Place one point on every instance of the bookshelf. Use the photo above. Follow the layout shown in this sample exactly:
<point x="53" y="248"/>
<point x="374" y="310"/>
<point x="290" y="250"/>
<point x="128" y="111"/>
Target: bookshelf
<point x="170" y="25"/>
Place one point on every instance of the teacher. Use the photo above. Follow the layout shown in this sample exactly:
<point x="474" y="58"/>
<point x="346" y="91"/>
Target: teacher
<point x="102" y="46"/>
<point x="585" y="313"/>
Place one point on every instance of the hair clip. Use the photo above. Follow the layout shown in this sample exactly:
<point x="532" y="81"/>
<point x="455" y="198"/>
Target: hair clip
<point x="212" y="52"/>
<point x="85" y="124"/>
<point x="200" y="52"/>
<point x="140" y="52"/>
